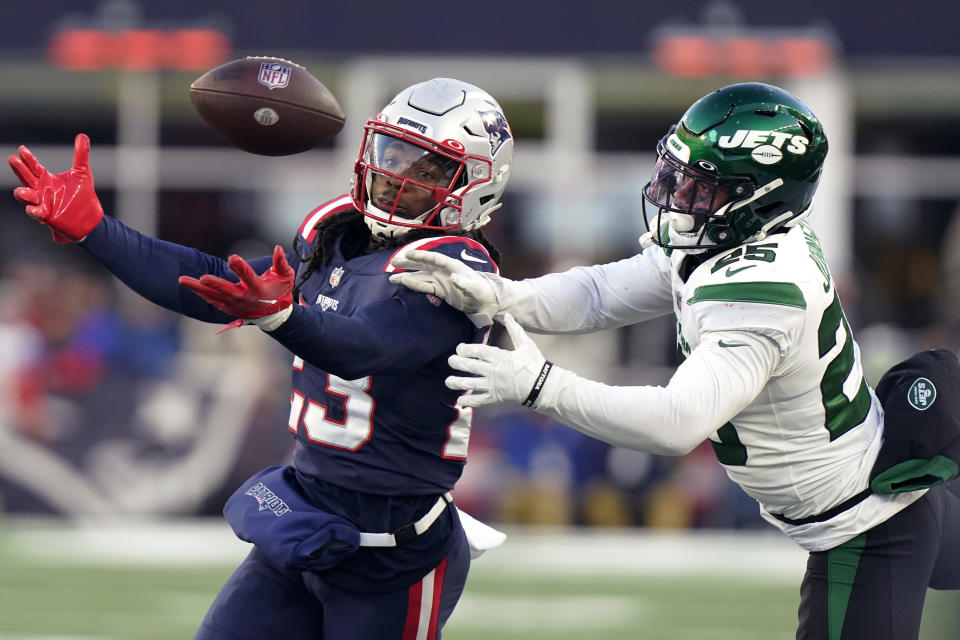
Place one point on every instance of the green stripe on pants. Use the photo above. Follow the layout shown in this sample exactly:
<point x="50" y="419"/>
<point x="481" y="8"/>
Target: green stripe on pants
<point x="842" y="564"/>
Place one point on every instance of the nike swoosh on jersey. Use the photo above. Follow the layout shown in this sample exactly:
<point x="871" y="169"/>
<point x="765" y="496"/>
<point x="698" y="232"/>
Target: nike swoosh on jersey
<point x="466" y="256"/>
<point x="731" y="344"/>
<point x="731" y="271"/>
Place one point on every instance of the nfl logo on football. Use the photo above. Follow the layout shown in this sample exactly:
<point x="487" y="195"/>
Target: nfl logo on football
<point x="335" y="276"/>
<point x="274" y="75"/>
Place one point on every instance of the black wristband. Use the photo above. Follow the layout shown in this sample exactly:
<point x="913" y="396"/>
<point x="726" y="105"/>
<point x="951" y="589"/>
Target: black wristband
<point x="538" y="384"/>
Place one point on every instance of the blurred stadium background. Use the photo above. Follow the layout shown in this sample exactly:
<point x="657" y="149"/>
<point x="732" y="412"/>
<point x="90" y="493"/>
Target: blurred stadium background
<point x="123" y="429"/>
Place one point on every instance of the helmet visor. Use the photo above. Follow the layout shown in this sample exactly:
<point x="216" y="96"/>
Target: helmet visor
<point x="408" y="180"/>
<point x="412" y="162"/>
<point x="683" y="189"/>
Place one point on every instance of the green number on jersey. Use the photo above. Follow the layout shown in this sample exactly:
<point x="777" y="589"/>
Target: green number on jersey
<point x="841" y="414"/>
<point x="762" y="253"/>
<point x="730" y="451"/>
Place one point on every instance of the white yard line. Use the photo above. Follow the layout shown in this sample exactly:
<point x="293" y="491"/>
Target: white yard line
<point x="527" y="551"/>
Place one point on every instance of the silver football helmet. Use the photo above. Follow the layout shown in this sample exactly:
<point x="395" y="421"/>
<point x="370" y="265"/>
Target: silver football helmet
<point x="437" y="157"/>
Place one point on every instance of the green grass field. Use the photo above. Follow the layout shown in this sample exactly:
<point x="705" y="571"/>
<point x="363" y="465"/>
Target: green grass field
<point x="153" y="582"/>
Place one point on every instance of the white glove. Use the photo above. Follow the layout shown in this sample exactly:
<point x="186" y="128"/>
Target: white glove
<point x="502" y="375"/>
<point x="473" y="292"/>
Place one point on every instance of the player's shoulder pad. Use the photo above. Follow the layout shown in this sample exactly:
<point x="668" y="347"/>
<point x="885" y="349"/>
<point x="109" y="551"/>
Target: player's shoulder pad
<point x="757" y="273"/>
<point x="755" y="286"/>
<point x="468" y="251"/>
<point x="775" y="258"/>
<point x="308" y="230"/>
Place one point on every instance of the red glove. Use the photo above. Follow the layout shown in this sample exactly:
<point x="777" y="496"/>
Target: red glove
<point x="66" y="202"/>
<point x="254" y="296"/>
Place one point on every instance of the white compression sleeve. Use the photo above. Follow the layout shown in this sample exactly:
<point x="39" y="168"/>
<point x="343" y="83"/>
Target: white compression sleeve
<point x="586" y="299"/>
<point x="711" y="386"/>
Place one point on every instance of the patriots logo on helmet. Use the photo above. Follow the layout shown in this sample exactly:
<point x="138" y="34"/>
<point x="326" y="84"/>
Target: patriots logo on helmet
<point x="497" y="129"/>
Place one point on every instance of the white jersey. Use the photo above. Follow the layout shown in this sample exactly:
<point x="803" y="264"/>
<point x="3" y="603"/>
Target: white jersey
<point x="770" y="374"/>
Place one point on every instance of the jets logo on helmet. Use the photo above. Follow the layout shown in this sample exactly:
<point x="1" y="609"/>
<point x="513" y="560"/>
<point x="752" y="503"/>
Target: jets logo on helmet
<point x="742" y="163"/>
<point x="767" y="154"/>
<point x="750" y="139"/>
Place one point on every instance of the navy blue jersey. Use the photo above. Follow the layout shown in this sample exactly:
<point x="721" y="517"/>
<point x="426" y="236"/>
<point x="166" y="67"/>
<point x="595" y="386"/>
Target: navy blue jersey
<point x="369" y="408"/>
<point x="378" y="434"/>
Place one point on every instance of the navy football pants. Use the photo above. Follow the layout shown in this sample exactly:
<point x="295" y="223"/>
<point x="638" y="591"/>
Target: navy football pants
<point x="262" y="601"/>
<point x="873" y="587"/>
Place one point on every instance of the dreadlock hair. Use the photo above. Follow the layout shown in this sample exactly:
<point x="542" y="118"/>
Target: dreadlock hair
<point x="350" y="225"/>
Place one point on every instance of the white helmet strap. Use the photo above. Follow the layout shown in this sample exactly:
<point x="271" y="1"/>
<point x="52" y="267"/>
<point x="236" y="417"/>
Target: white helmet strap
<point x="384" y="229"/>
<point x="759" y="193"/>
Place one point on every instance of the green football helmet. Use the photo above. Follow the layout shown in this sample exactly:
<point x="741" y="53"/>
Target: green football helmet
<point x="742" y="163"/>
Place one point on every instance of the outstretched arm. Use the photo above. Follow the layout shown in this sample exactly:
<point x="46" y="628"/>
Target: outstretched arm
<point x="581" y="300"/>
<point x="478" y="294"/>
<point x="400" y="333"/>
<point x="65" y="202"/>
<point x="264" y="299"/>
<point x="390" y="336"/>
<point x="711" y="386"/>
<point x="68" y="204"/>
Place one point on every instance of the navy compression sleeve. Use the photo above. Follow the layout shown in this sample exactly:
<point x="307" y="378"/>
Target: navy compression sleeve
<point x="151" y="267"/>
<point x="400" y="333"/>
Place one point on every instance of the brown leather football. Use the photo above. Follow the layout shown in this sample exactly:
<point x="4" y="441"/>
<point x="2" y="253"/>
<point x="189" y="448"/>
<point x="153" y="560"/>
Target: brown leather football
<point x="268" y="106"/>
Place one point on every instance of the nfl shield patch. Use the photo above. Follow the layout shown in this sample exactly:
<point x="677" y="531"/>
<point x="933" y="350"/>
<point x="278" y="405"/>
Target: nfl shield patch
<point x="274" y="75"/>
<point x="335" y="276"/>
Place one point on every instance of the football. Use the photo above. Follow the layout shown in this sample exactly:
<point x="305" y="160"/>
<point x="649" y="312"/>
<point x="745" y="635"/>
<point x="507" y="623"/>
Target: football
<point x="268" y="106"/>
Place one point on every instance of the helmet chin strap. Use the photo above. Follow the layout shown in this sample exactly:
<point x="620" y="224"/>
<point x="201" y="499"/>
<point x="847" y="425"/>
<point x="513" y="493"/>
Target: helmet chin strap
<point x="762" y="233"/>
<point x="687" y="241"/>
<point x="798" y="219"/>
<point x="759" y="193"/>
<point x="387" y="230"/>
<point x="384" y="230"/>
<point x="687" y="244"/>
<point x="483" y="218"/>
